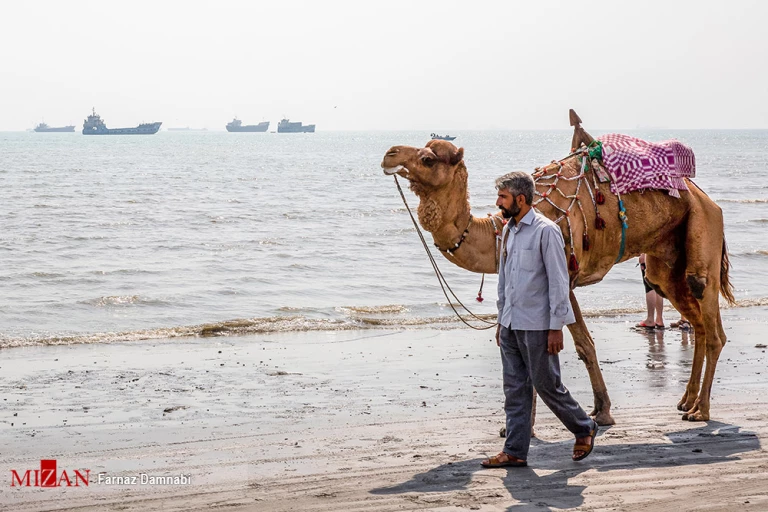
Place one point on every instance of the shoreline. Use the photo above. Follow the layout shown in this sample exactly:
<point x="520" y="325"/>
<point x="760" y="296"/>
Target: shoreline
<point x="375" y="419"/>
<point x="367" y="319"/>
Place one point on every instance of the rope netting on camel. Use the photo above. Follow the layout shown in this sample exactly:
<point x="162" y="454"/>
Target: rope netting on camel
<point x="584" y="167"/>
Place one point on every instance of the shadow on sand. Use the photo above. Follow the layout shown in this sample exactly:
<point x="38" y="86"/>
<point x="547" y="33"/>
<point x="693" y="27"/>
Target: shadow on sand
<point x="712" y="442"/>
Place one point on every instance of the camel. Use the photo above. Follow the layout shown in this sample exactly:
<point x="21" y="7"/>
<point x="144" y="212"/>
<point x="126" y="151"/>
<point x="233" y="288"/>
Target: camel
<point x="686" y="255"/>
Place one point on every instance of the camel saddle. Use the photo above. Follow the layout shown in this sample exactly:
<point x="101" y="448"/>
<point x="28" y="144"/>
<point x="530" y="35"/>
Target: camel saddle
<point x="635" y="164"/>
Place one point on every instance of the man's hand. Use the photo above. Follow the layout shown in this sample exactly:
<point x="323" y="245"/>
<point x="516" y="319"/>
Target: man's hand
<point x="554" y="341"/>
<point x="498" y="330"/>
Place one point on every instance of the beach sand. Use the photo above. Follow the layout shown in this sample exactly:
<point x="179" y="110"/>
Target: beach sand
<point x="377" y="420"/>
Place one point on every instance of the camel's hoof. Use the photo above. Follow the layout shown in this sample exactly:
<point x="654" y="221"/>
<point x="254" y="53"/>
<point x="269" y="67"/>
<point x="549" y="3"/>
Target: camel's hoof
<point x="683" y="404"/>
<point x="695" y="413"/>
<point x="696" y="416"/>
<point x="604" y="418"/>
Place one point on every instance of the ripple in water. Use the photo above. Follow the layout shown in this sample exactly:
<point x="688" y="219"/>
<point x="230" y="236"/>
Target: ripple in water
<point x="95" y="230"/>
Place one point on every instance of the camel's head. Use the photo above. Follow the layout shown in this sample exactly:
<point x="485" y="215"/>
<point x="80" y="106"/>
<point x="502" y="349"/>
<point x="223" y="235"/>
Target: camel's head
<point x="427" y="168"/>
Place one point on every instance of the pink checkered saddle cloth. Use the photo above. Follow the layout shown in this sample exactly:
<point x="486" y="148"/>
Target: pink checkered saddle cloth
<point x="635" y="164"/>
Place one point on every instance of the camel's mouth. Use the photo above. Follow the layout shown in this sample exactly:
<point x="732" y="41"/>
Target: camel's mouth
<point x="389" y="171"/>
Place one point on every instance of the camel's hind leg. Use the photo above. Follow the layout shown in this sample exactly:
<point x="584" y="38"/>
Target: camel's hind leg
<point x="585" y="348"/>
<point x="671" y="283"/>
<point x="708" y="343"/>
<point x="688" y="401"/>
<point x="705" y="257"/>
<point x="713" y="344"/>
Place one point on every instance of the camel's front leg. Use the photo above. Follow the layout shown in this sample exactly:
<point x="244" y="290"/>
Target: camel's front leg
<point x="585" y="348"/>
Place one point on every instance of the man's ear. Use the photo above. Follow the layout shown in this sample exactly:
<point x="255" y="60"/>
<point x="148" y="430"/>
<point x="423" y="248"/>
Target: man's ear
<point x="457" y="157"/>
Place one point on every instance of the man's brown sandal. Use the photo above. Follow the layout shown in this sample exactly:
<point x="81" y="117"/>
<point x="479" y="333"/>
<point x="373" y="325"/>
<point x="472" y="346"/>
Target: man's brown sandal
<point x="585" y="449"/>
<point x="502" y="460"/>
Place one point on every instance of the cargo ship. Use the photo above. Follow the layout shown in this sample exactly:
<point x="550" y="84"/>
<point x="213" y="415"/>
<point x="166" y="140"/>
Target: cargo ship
<point x="95" y="126"/>
<point x="236" y="125"/>
<point x="42" y="127"/>
<point x="435" y="136"/>
<point x="285" y="126"/>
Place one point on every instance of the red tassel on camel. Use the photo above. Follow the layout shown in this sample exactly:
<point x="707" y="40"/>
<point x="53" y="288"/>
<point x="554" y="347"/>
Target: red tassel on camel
<point x="599" y="222"/>
<point x="585" y="242"/>
<point x="573" y="264"/>
<point x="599" y="197"/>
<point x="479" y="297"/>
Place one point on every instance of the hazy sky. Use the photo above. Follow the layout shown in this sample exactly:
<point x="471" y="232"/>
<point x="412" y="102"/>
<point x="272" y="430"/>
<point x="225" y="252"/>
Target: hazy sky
<point x="436" y="65"/>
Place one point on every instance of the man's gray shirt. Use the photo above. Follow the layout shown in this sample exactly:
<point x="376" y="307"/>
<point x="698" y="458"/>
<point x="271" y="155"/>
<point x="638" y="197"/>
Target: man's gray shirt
<point x="533" y="278"/>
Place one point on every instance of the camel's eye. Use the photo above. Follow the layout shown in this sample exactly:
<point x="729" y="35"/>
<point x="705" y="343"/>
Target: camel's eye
<point x="428" y="160"/>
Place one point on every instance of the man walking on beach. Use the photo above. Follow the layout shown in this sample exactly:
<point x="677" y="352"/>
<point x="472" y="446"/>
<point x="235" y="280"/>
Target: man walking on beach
<point x="533" y="309"/>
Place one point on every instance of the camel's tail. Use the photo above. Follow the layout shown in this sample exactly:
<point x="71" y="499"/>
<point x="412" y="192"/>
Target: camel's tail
<point x="726" y="288"/>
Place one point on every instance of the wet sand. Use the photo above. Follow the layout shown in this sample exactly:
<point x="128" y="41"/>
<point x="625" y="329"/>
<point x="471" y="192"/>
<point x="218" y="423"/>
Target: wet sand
<point x="377" y="420"/>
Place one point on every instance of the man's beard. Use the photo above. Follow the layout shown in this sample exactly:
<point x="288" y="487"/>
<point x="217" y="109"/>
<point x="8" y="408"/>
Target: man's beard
<point x="511" y="213"/>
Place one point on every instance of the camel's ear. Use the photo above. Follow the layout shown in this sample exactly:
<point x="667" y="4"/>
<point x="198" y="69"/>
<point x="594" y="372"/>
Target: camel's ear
<point x="457" y="157"/>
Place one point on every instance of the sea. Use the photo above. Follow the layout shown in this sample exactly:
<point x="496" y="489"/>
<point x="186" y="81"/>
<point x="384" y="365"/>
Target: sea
<point x="121" y="238"/>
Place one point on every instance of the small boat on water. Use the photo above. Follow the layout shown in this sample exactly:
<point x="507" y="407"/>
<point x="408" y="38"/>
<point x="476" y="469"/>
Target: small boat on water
<point x="237" y="125"/>
<point x="94" y="125"/>
<point x="286" y="126"/>
<point x="42" y="127"/>
<point x="442" y="137"/>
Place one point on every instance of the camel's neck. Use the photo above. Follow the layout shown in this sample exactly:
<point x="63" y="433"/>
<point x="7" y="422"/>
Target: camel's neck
<point x="446" y="215"/>
<point x="445" y="212"/>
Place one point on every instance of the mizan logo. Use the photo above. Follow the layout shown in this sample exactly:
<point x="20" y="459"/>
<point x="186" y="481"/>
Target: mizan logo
<point x="47" y="476"/>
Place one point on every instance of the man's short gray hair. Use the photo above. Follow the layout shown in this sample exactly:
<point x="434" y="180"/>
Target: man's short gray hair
<point x="517" y="182"/>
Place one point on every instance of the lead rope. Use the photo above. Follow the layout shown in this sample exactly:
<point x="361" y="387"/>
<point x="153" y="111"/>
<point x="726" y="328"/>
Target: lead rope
<point x="440" y="277"/>
<point x="497" y="233"/>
